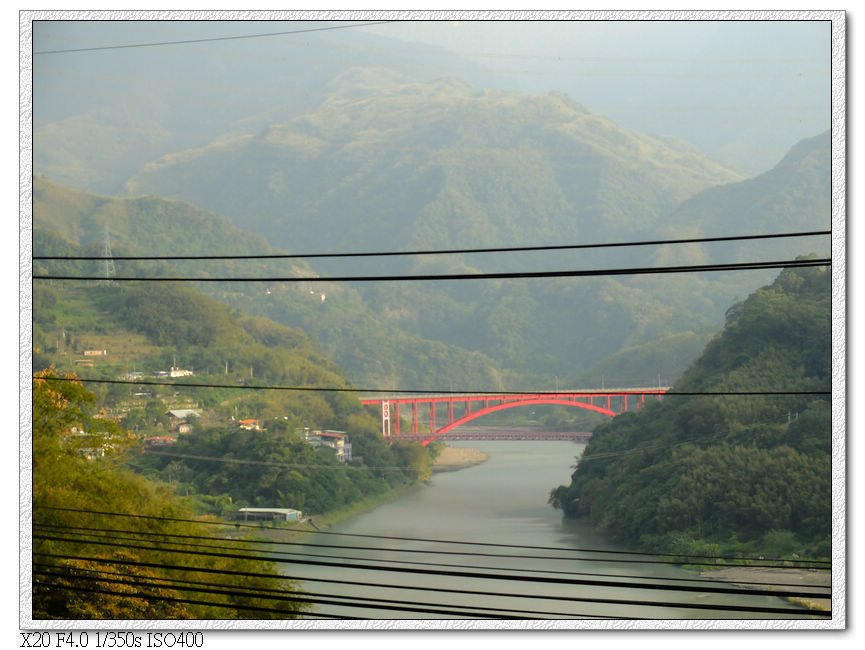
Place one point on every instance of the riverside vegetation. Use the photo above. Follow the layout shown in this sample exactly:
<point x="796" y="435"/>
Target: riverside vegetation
<point x="721" y="474"/>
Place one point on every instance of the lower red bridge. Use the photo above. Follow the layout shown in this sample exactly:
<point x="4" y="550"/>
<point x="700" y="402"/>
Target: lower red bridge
<point x="502" y="433"/>
<point x="435" y="415"/>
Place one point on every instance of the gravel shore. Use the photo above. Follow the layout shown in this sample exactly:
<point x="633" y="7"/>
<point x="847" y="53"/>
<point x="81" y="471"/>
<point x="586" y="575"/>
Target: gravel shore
<point x="797" y="577"/>
<point x="454" y="458"/>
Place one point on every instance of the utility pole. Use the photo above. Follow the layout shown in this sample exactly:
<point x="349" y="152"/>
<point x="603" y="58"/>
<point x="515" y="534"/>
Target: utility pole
<point x="110" y="271"/>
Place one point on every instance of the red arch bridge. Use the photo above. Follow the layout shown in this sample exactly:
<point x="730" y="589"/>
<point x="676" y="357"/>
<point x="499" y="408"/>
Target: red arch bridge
<point x="435" y="415"/>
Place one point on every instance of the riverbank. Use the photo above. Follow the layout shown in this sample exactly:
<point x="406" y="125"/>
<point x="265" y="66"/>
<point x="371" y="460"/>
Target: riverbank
<point x="450" y="459"/>
<point x="795" y="577"/>
<point x="334" y="517"/>
<point x="455" y="458"/>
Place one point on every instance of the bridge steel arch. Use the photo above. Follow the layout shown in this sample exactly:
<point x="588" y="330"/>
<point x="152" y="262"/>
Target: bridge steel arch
<point x="510" y="405"/>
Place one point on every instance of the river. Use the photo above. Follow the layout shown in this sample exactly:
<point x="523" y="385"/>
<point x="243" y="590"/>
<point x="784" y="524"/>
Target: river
<point x="415" y="566"/>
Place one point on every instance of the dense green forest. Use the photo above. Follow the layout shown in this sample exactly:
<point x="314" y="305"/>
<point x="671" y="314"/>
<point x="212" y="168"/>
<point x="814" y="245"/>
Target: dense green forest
<point x="712" y="474"/>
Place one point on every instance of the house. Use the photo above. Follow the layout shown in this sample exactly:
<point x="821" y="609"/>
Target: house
<point x="250" y="425"/>
<point x="179" y="419"/>
<point x="159" y="441"/>
<point x="173" y="372"/>
<point x="267" y="514"/>
<point x="89" y="445"/>
<point x="339" y="441"/>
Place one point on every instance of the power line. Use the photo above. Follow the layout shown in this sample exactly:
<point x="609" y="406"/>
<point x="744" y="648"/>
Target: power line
<point x="476" y="572"/>
<point x="512" y="249"/>
<point x="403" y="605"/>
<point x="325" y="580"/>
<point x="399" y="391"/>
<point x="545" y="580"/>
<point x="223" y="540"/>
<point x="378" y="603"/>
<point x="213" y="39"/>
<point x="703" y="268"/>
<point x="238" y="461"/>
<point x="52" y="586"/>
<point x="292" y="555"/>
<point x="235" y="573"/>
<point x="316" y="598"/>
<point x="684" y="557"/>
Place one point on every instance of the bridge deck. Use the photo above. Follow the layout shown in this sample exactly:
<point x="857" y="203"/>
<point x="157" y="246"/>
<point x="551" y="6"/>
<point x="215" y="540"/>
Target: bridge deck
<point x="500" y="434"/>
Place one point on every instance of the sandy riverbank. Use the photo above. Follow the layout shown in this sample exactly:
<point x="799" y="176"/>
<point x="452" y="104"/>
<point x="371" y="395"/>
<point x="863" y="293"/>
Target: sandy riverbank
<point x="454" y="458"/>
<point x="796" y="577"/>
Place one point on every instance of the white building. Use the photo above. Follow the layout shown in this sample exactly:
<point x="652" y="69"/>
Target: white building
<point x="336" y="440"/>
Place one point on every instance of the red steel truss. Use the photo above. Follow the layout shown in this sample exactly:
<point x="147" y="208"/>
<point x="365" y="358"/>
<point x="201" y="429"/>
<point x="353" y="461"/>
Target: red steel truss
<point x="438" y="414"/>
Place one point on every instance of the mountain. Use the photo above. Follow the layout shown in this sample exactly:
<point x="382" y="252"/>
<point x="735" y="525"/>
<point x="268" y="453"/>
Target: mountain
<point x="795" y="195"/>
<point x="381" y="164"/>
<point x="420" y="165"/>
<point x="387" y="166"/>
<point x="727" y="473"/>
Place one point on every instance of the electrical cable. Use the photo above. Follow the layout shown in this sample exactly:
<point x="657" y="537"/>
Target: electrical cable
<point x="438" y="572"/>
<point x="345" y="582"/>
<point x="609" y="601"/>
<point x="171" y="582"/>
<point x="223" y="540"/>
<point x="698" y="268"/>
<point x="291" y="555"/>
<point x="401" y="391"/>
<point x="185" y="601"/>
<point x="455" y="251"/>
<point x="686" y="559"/>
<point x="116" y="533"/>
<point x="213" y="39"/>
<point x="317" y="598"/>
<point x="239" y="461"/>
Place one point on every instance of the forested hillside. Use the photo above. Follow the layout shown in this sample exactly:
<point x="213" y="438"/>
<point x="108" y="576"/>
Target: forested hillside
<point x="709" y="474"/>
<point x="372" y="350"/>
<point x="129" y="337"/>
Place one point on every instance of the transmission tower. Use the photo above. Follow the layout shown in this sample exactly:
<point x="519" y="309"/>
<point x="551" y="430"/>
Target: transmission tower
<point x="109" y="260"/>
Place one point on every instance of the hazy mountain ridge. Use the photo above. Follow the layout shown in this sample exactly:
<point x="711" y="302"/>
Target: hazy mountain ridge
<point x="381" y="165"/>
<point x="97" y="124"/>
<point x="795" y="195"/>
<point x="436" y="162"/>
